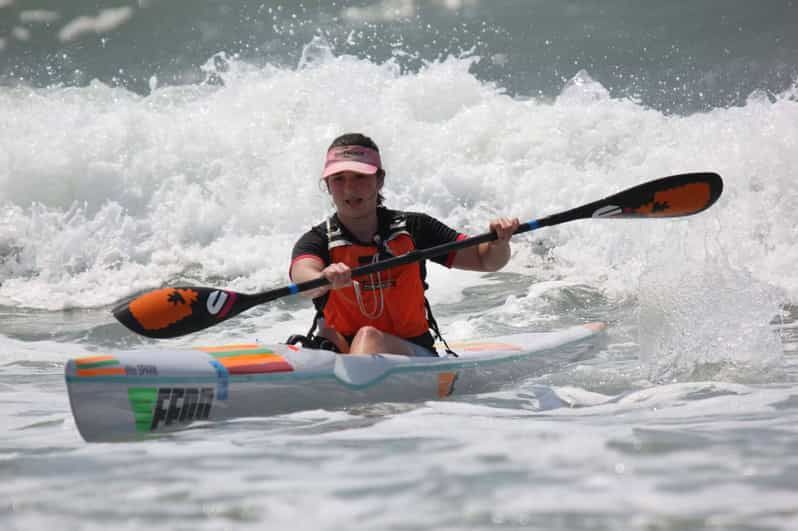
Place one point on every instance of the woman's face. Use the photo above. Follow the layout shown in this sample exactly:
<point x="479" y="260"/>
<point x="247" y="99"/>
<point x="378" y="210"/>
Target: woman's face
<point x="354" y="194"/>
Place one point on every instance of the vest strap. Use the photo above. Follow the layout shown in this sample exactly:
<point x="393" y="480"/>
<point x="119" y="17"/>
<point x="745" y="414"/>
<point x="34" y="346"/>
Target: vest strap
<point x="433" y="325"/>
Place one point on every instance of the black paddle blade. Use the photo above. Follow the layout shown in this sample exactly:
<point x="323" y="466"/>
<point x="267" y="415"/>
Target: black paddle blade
<point x="675" y="196"/>
<point x="669" y="197"/>
<point x="173" y="312"/>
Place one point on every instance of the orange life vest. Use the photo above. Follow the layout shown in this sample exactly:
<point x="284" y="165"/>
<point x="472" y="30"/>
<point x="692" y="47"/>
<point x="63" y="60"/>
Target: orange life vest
<point x="391" y="301"/>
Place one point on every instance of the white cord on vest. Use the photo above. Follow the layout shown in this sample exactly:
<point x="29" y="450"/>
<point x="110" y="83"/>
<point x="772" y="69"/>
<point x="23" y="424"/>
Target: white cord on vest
<point x="380" y="305"/>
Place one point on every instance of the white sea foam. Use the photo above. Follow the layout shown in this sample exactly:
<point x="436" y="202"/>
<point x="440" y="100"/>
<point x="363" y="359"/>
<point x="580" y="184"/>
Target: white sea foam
<point x="105" y="193"/>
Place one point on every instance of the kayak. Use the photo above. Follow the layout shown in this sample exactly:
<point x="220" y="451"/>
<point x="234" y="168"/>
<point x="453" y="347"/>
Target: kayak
<point x="135" y="394"/>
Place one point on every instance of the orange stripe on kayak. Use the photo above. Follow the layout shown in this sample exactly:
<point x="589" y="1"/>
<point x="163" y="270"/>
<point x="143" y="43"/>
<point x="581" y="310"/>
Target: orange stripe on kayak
<point x="260" y="368"/>
<point x="106" y="371"/>
<point x="255" y="363"/>
<point x="93" y="359"/>
<point x="255" y="358"/>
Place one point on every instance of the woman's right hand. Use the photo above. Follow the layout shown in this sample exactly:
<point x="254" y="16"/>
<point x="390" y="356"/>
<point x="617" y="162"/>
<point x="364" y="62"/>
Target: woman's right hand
<point x="339" y="275"/>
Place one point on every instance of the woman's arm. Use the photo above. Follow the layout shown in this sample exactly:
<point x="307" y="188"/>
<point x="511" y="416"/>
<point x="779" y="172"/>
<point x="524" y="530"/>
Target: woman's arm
<point x="311" y="267"/>
<point x="489" y="256"/>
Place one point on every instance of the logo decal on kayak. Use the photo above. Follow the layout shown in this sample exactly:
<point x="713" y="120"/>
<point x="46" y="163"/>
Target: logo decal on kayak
<point x="161" y="308"/>
<point x="155" y="407"/>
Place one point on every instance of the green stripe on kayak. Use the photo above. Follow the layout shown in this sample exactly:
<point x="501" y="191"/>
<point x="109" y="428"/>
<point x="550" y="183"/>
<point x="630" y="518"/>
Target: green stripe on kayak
<point x="231" y="353"/>
<point x="142" y="401"/>
<point x="96" y="364"/>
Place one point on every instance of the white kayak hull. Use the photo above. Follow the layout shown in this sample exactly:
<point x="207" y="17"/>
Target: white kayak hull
<point x="129" y="395"/>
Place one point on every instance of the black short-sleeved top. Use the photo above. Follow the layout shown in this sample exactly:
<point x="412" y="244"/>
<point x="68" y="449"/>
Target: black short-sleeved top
<point x="425" y="230"/>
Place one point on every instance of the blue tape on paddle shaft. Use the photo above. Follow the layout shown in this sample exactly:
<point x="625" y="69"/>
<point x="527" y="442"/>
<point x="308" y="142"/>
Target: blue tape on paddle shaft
<point x="532" y="224"/>
<point x="293" y="288"/>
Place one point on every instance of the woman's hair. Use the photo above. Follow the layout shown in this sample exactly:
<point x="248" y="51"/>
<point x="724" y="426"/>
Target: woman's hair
<point x="354" y="139"/>
<point x="357" y="139"/>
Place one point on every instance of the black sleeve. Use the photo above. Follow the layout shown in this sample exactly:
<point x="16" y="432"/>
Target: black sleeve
<point x="428" y="232"/>
<point x="312" y="243"/>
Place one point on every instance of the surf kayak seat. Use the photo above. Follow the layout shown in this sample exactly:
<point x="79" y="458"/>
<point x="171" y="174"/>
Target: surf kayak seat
<point x="314" y="342"/>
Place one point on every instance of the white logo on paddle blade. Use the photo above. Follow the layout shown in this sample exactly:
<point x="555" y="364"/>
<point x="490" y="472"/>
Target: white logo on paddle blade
<point x="216" y="301"/>
<point x="607" y="211"/>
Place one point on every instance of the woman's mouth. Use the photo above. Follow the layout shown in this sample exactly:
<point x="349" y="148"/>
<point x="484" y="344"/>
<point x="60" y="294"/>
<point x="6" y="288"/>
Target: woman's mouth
<point x="354" y="202"/>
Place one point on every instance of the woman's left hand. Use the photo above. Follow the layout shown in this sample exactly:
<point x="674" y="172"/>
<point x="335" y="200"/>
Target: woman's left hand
<point x="504" y="228"/>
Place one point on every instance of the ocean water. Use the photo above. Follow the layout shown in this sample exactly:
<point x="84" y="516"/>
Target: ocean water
<point x="151" y="143"/>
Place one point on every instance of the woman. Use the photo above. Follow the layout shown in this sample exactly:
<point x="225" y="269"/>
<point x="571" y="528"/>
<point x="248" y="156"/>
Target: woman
<point x="386" y="312"/>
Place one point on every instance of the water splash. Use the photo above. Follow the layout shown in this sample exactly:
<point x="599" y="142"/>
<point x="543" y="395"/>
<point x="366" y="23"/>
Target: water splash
<point x="707" y="321"/>
<point x="317" y="52"/>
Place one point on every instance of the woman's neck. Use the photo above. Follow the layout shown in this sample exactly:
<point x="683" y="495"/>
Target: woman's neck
<point x="362" y="227"/>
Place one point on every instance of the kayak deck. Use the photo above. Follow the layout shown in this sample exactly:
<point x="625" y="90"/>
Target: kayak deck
<point x="133" y="394"/>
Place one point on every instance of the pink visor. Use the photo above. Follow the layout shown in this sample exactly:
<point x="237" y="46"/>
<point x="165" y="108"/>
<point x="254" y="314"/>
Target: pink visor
<point x="351" y="158"/>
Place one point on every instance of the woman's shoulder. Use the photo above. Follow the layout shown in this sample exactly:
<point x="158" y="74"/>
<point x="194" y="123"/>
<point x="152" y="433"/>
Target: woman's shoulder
<point x="408" y="215"/>
<point x="317" y="233"/>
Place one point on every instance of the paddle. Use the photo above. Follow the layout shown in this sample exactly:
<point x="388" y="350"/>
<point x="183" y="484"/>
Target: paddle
<point x="173" y="312"/>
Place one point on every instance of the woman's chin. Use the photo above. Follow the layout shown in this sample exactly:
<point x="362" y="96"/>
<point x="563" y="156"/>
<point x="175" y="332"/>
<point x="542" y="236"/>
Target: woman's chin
<point x="356" y="208"/>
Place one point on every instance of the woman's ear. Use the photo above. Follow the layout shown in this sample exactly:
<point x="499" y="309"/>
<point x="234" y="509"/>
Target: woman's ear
<point x="324" y="184"/>
<point x="380" y="178"/>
